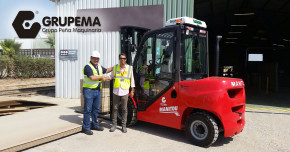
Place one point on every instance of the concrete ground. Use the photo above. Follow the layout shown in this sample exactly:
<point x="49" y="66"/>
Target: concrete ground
<point x="264" y="131"/>
<point x="267" y="129"/>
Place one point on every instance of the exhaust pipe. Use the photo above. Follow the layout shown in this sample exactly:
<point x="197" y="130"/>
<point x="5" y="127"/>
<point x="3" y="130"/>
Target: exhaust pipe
<point x="217" y="55"/>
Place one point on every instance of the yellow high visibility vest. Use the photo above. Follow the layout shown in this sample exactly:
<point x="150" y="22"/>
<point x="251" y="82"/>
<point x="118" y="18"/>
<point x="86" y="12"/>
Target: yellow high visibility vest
<point x="122" y="81"/>
<point x="147" y="78"/>
<point x="87" y="82"/>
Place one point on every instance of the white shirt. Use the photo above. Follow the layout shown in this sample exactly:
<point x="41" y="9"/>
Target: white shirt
<point x="119" y="91"/>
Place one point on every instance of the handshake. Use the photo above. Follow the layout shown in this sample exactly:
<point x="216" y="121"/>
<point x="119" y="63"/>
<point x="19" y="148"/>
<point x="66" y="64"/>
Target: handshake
<point x="104" y="78"/>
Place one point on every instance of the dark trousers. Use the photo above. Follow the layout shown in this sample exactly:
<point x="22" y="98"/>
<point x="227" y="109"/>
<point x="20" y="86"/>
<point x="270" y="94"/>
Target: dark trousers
<point x="117" y="100"/>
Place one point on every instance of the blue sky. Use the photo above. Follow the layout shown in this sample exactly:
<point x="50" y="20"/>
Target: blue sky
<point x="10" y="8"/>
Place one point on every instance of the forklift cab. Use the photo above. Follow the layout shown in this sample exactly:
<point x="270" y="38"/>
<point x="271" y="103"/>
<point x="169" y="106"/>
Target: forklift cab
<point x="177" y="52"/>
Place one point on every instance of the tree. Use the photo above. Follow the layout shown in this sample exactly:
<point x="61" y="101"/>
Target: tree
<point x="51" y="39"/>
<point x="10" y="48"/>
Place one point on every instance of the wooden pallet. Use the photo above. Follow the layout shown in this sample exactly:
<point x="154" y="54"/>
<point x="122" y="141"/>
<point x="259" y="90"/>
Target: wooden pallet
<point x="9" y="107"/>
<point x="8" y="104"/>
<point x="16" y="109"/>
<point x="7" y="113"/>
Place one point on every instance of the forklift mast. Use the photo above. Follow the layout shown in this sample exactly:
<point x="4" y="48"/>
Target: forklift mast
<point x="131" y="36"/>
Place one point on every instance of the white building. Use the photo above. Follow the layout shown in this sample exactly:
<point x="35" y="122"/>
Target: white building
<point x="37" y="43"/>
<point x="69" y="73"/>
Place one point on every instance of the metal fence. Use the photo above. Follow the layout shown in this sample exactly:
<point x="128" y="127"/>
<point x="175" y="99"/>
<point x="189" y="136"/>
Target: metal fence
<point x="36" y="52"/>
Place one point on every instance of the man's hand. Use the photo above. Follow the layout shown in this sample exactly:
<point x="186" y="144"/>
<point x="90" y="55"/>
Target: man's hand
<point x="96" y="78"/>
<point x="132" y="94"/>
<point x="109" y="70"/>
<point x="105" y="78"/>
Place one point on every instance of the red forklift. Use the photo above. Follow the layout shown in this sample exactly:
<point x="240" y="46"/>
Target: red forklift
<point x="173" y="87"/>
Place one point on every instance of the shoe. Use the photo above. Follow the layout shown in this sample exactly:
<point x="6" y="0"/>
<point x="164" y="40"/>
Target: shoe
<point x="113" y="128"/>
<point x="98" y="128"/>
<point x="124" y="129"/>
<point x="87" y="132"/>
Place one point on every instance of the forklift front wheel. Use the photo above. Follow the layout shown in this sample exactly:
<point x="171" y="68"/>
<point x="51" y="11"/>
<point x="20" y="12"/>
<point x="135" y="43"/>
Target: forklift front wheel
<point x="201" y="129"/>
<point x="132" y="113"/>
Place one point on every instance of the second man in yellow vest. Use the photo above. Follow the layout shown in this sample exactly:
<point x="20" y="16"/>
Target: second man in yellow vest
<point x="124" y="80"/>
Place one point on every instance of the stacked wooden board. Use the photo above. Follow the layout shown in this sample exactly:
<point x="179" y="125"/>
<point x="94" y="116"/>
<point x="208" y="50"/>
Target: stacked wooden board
<point x="8" y="107"/>
<point x="34" y="127"/>
<point x="105" y="98"/>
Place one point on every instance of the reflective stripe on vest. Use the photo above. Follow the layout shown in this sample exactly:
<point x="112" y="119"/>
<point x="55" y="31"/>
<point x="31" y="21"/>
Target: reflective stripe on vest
<point x="122" y="81"/>
<point x="87" y="82"/>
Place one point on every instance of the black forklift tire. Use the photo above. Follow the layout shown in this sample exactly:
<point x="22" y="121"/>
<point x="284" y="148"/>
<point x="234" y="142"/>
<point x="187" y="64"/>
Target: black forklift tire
<point x="132" y="113"/>
<point x="201" y="129"/>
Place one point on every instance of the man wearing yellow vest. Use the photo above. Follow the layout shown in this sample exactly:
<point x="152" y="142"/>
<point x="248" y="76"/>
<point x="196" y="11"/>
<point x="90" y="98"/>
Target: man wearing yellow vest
<point x="92" y="85"/>
<point x="123" y="75"/>
<point x="147" y="79"/>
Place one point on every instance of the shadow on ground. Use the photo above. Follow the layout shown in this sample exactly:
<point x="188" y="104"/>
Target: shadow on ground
<point x="161" y="131"/>
<point x="222" y="141"/>
<point x="172" y="134"/>
<point x="72" y="118"/>
<point x="153" y="129"/>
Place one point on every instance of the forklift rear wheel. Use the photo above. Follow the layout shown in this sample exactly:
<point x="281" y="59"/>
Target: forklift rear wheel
<point x="132" y="113"/>
<point x="201" y="129"/>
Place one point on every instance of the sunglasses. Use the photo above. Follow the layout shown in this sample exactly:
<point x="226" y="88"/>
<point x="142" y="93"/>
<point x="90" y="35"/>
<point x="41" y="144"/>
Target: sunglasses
<point x="123" y="58"/>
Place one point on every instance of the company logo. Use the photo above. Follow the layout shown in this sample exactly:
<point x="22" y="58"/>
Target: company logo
<point x="67" y="21"/>
<point x="163" y="101"/>
<point x="80" y="24"/>
<point x="22" y="26"/>
<point x="27" y="32"/>
<point x="237" y="83"/>
<point x="171" y="109"/>
<point x="197" y="21"/>
<point x="64" y="52"/>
